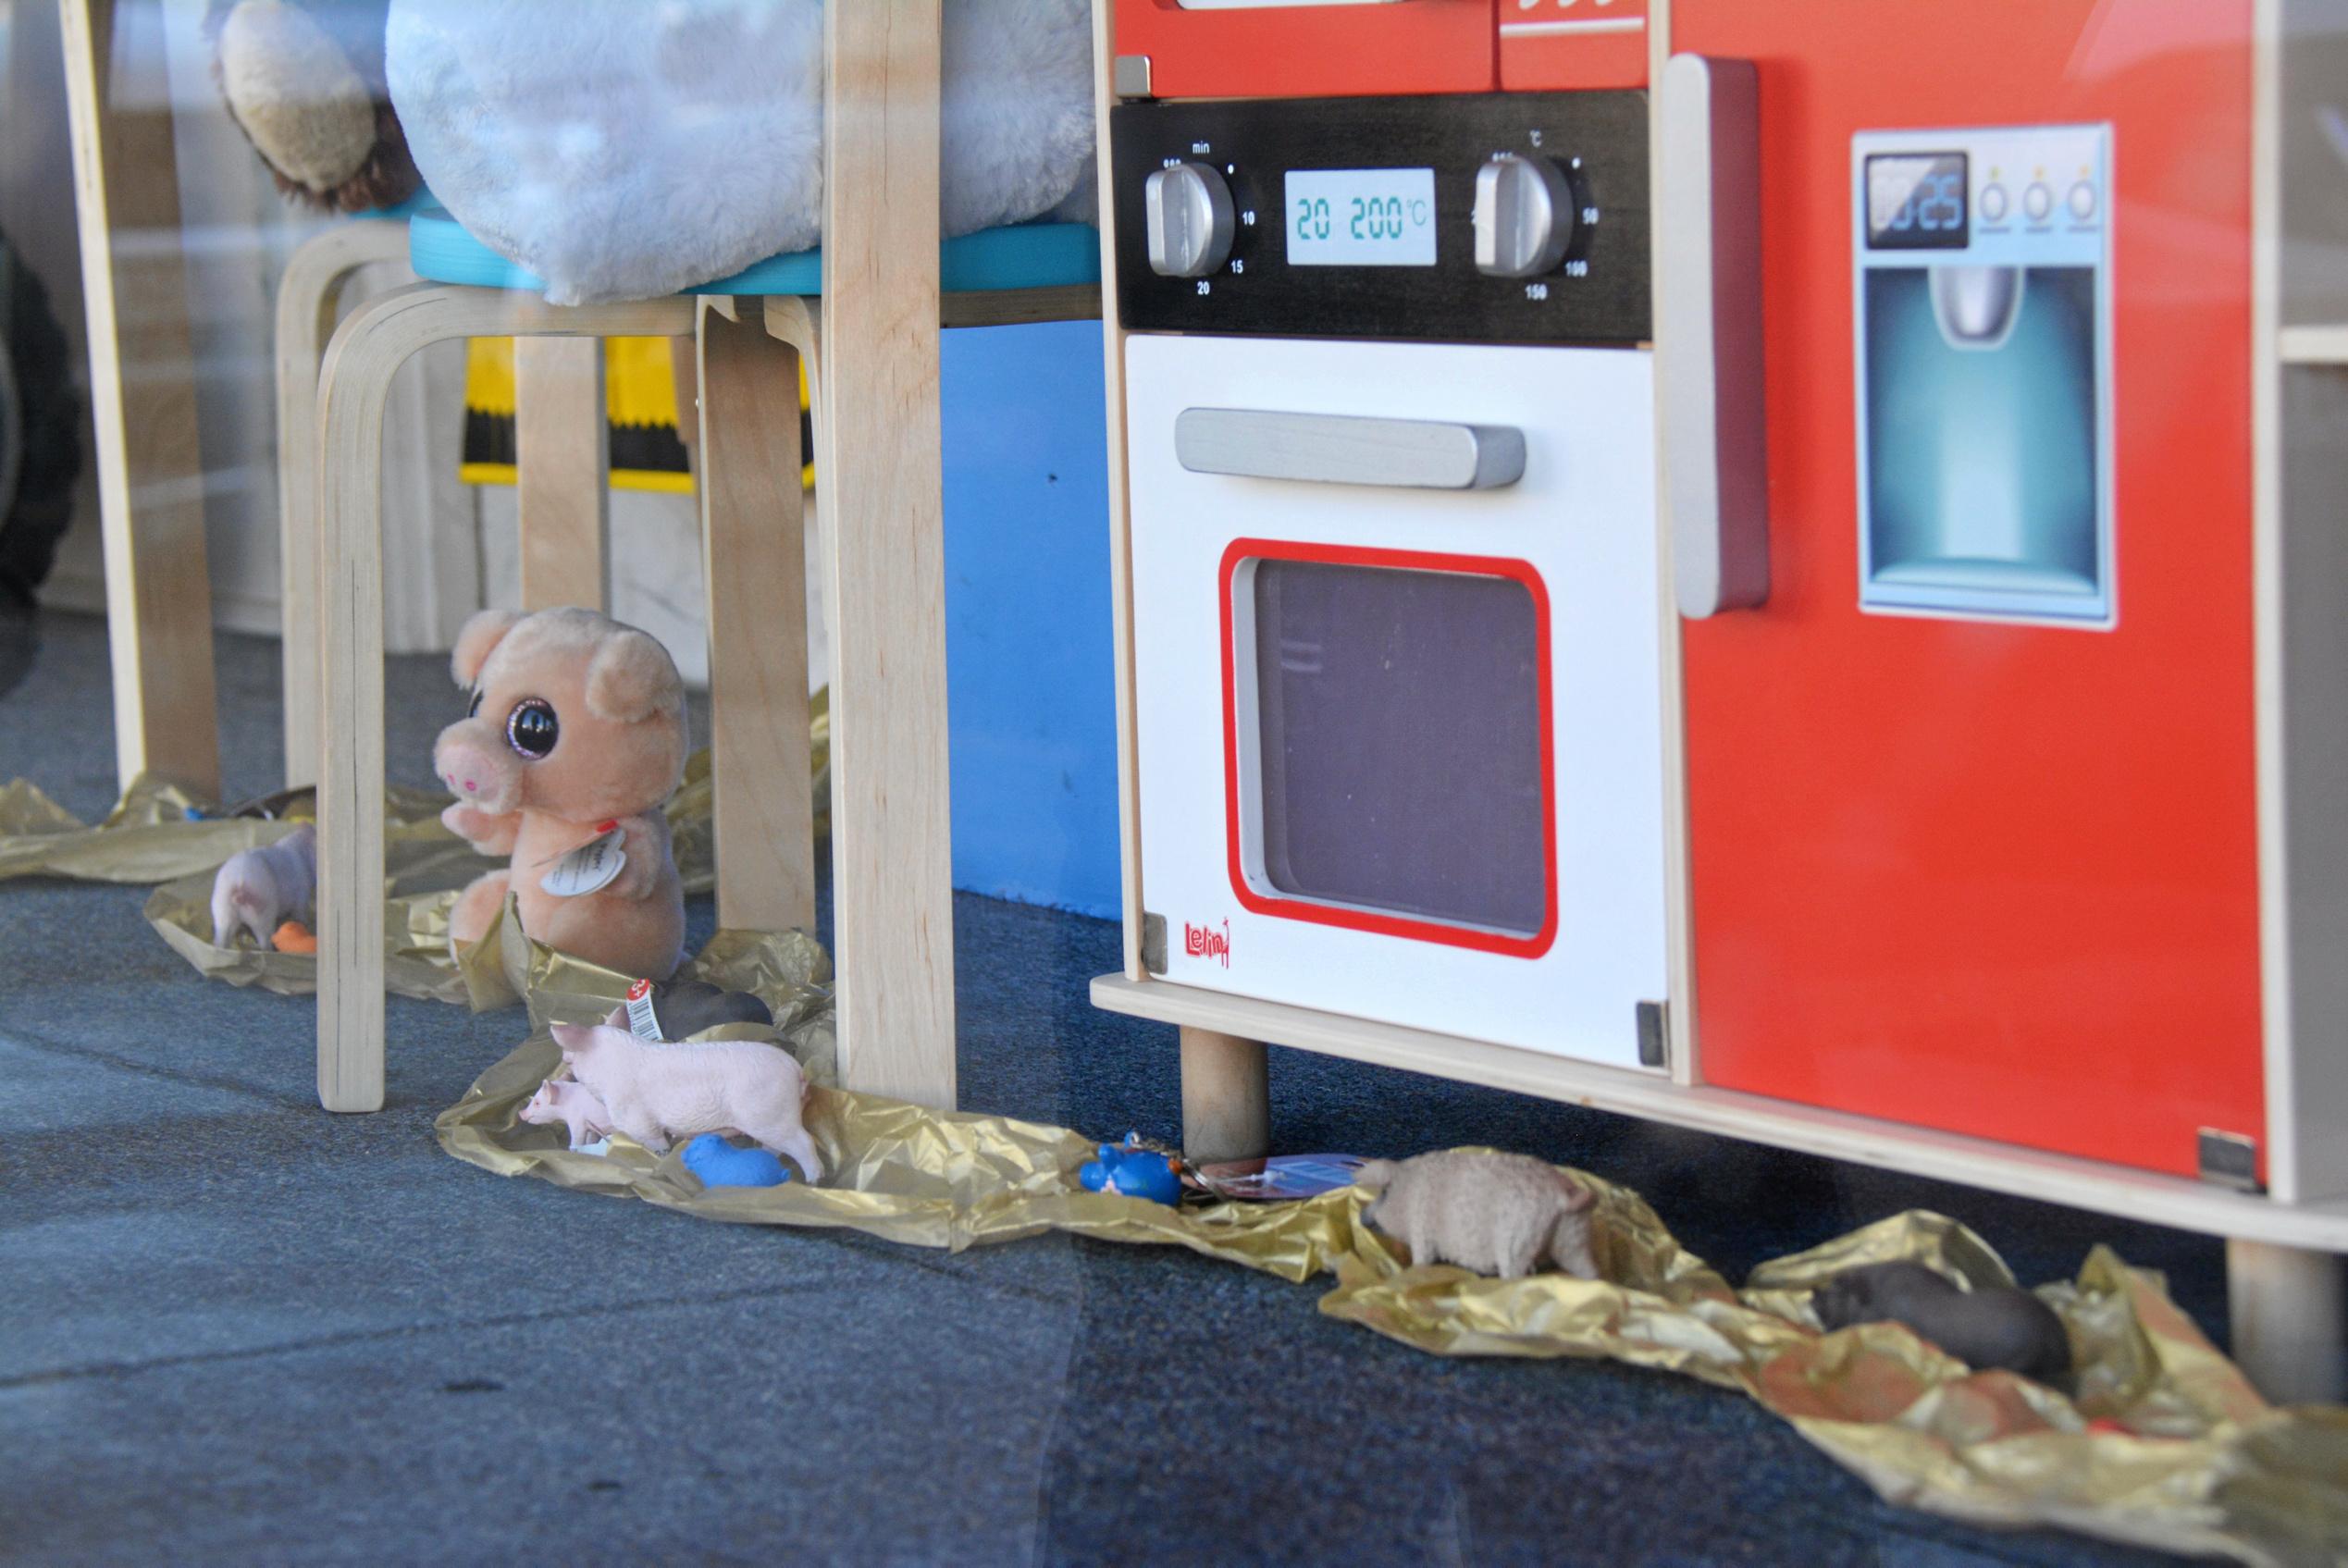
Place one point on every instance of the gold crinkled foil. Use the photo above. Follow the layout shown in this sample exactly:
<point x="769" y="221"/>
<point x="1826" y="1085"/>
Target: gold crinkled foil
<point x="424" y="867"/>
<point x="150" y="837"/>
<point x="2185" y="1455"/>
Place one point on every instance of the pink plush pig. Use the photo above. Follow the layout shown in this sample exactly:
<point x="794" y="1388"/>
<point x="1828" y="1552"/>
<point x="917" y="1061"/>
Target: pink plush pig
<point x="658" y="1094"/>
<point x="573" y="1104"/>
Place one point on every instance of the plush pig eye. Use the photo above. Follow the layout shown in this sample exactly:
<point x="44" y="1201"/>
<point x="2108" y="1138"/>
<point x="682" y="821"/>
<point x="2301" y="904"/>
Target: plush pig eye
<point x="530" y="729"/>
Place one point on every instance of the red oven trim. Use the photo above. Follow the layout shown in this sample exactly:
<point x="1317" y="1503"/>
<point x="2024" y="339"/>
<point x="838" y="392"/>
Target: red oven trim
<point x="1522" y="572"/>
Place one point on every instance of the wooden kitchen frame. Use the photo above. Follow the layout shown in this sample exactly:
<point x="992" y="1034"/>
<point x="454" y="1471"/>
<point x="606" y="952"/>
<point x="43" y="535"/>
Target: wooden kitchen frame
<point x="2283" y="1274"/>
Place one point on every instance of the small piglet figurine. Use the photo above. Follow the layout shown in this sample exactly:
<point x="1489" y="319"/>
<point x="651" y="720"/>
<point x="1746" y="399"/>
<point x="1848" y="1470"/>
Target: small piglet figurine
<point x="573" y="1104"/>
<point x="1492" y="1214"/>
<point x="658" y="1094"/>
<point x="258" y="890"/>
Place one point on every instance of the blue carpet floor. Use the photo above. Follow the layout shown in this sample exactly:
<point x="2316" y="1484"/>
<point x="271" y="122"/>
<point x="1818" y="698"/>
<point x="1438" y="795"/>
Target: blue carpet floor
<point x="240" y="1330"/>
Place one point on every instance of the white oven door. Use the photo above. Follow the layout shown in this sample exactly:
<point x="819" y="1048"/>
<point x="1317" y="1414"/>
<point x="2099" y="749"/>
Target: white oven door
<point x="1398" y="681"/>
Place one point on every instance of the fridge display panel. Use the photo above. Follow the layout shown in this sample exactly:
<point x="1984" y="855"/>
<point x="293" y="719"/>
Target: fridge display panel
<point x="1916" y="202"/>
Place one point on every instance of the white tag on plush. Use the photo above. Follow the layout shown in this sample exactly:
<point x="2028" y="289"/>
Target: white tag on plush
<point x="643" y="1022"/>
<point x="591" y="866"/>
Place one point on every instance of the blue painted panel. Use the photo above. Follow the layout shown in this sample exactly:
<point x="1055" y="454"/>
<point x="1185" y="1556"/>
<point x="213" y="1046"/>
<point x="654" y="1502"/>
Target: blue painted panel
<point x="1031" y="675"/>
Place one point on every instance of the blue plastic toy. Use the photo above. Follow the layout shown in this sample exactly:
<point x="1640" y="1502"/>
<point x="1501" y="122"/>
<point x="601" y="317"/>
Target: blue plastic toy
<point x="720" y="1164"/>
<point x="1135" y="1172"/>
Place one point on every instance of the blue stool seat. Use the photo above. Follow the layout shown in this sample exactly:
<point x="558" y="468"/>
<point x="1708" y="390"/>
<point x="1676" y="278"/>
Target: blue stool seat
<point x="1026" y="256"/>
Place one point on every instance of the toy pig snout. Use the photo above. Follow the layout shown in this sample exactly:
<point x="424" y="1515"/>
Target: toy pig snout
<point x="474" y="761"/>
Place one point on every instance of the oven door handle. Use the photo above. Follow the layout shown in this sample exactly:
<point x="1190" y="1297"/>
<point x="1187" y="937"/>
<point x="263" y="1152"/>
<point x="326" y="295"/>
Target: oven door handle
<point x="1330" y="448"/>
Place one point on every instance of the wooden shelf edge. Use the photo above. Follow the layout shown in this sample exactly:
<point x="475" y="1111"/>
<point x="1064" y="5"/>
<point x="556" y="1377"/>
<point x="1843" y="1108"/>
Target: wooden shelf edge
<point x="2312" y="345"/>
<point x="1972" y="1162"/>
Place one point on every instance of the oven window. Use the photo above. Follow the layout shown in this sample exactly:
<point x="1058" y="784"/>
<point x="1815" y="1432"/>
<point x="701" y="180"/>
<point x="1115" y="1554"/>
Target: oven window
<point x="1399" y="747"/>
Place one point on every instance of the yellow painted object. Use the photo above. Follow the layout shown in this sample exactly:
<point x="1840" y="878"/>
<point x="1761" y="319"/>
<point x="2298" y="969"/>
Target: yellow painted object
<point x="640" y="400"/>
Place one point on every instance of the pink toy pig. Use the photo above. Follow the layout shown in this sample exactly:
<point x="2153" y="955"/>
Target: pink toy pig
<point x="573" y="1104"/>
<point x="258" y="890"/>
<point x="657" y="1094"/>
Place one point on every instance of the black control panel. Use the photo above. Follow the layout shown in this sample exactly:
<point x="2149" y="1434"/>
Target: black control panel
<point x="1481" y="217"/>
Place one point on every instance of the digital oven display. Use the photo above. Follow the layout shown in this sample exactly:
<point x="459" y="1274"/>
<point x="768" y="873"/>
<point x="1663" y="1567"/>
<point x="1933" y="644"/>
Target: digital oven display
<point x="1916" y="202"/>
<point x="1360" y="218"/>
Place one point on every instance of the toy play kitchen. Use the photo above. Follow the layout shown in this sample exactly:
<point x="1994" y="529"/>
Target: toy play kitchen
<point x="1795" y="602"/>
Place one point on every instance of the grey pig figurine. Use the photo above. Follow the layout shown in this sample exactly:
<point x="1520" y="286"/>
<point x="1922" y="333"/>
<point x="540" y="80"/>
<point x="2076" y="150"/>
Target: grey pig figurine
<point x="1493" y="1213"/>
<point x="1993" y="1328"/>
<point x="258" y="890"/>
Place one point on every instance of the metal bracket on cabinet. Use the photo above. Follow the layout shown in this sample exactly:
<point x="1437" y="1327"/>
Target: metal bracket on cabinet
<point x="1154" y="942"/>
<point x="1654" y="1034"/>
<point x="2230" y="1159"/>
<point x="1129" y="76"/>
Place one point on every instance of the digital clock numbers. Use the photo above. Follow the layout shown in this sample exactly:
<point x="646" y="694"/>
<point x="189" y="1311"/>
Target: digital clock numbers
<point x="1361" y="217"/>
<point x="1916" y="202"/>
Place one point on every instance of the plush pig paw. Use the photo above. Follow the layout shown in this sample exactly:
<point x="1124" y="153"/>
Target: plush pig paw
<point x="645" y="843"/>
<point x="489" y="834"/>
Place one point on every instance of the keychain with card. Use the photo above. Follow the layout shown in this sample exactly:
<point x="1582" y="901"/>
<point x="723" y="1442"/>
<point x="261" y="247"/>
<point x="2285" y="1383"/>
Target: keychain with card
<point x="589" y="867"/>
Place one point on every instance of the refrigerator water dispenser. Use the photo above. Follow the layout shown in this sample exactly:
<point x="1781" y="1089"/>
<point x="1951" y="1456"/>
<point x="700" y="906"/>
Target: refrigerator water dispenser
<point x="1982" y="269"/>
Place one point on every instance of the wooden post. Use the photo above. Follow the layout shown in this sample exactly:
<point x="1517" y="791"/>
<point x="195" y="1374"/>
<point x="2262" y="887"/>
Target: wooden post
<point x="877" y="461"/>
<point x="143" y="407"/>
<point x="2289" y="1320"/>
<point x="563" y="472"/>
<point x="754" y="563"/>
<point x="1227" y="1097"/>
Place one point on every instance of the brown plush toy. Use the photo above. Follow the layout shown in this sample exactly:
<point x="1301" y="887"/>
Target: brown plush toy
<point x="304" y="80"/>
<point x="576" y="737"/>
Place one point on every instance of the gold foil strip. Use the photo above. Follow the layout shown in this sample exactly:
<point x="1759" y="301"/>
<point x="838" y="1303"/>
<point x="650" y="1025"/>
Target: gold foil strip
<point x="2184" y="1454"/>
<point x="150" y="837"/>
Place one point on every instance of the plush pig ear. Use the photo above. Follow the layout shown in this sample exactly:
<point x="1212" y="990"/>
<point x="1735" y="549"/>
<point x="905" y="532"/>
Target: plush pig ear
<point x="619" y="1019"/>
<point x="631" y="677"/>
<point x="482" y="633"/>
<point x="573" y="1037"/>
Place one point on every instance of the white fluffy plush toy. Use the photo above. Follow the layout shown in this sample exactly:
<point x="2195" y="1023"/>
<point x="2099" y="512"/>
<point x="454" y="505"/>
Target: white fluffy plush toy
<point x="625" y="149"/>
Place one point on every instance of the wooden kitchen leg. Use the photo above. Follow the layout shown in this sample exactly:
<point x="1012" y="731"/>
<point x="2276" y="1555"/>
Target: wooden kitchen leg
<point x="877" y="461"/>
<point x="2290" y="1321"/>
<point x="1227" y="1097"/>
<point x="754" y="564"/>
<point x="142" y="410"/>
<point x="563" y="471"/>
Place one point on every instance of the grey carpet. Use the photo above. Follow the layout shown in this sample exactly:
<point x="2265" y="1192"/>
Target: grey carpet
<point x="240" y="1330"/>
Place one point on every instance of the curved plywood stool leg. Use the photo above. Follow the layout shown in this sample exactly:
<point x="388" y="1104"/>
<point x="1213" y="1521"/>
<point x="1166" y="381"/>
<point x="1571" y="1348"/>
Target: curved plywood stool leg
<point x="142" y="403"/>
<point x="562" y="473"/>
<point x="313" y="276"/>
<point x="367" y="352"/>
<point x="754" y="564"/>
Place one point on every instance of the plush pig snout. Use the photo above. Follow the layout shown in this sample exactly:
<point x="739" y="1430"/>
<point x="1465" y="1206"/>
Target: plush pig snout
<point x="475" y="762"/>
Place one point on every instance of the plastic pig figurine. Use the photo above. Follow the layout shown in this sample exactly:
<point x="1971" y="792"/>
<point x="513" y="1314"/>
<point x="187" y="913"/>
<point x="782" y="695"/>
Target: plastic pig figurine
<point x="1987" y="1327"/>
<point x="657" y="1094"/>
<point x="1493" y="1213"/>
<point x="1133" y="1171"/>
<point x="258" y="890"/>
<point x="573" y="1104"/>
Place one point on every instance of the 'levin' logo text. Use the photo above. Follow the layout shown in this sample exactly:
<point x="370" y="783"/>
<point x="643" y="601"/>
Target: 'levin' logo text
<point x="1206" y="942"/>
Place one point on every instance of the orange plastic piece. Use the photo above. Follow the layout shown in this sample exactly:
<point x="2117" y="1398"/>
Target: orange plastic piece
<point x="294" y="937"/>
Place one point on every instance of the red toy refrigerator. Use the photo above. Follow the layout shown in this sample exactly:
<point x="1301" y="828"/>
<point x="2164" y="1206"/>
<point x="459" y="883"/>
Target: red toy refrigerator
<point x="1974" y="836"/>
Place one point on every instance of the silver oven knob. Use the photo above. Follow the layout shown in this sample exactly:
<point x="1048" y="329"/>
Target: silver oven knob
<point x="1524" y="216"/>
<point x="1189" y="220"/>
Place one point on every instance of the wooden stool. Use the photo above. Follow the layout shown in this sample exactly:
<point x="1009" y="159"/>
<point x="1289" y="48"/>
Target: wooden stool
<point x="884" y="589"/>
